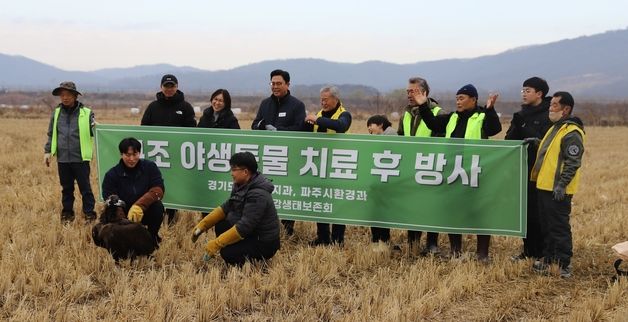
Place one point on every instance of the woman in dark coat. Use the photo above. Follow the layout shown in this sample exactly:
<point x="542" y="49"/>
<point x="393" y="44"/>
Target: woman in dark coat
<point x="219" y="114"/>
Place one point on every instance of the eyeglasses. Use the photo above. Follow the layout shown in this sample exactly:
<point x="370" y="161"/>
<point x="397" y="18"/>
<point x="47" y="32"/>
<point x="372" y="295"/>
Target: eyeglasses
<point x="276" y="83"/>
<point x="527" y="91"/>
<point x="237" y="169"/>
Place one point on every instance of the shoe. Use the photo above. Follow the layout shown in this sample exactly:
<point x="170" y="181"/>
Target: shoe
<point x="396" y="248"/>
<point x="565" y="272"/>
<point x="458" y="257"/>
<point x="67" y="216"/>
<point x="430" y="250"/>
<point x="379" y="247"/>
<point x="518" y="257"/>
<point x="320" y="242"/>
<point x="540" y="267"/>
<point x="483" y="259"/>
<point x="90" y="216"/>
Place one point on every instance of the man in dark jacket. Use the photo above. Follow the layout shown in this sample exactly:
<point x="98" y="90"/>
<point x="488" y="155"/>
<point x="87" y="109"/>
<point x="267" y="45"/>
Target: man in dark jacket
<point x="531" y="121"/>
<point x="332" y="118"/>
<point x="170" y="109"/>
<point x="139" y="184"/>
<point x="247" y="225"/>
<point x="556" y="172"/>
<point x="280" y="112"/>
<point x="469" y="121"/>
<point x="70" y="138"/>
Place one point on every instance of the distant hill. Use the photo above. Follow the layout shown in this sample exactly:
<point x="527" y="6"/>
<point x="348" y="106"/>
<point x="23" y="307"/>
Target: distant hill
<point x="589" y="66"/>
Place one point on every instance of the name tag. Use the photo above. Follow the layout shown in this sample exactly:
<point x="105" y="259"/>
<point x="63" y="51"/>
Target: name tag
<point x="282" y="114"/>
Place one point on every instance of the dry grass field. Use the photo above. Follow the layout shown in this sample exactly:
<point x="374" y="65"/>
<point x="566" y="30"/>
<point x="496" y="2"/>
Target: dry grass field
<point x="52" y="272"/>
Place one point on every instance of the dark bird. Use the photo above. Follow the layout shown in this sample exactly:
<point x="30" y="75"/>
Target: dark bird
<point x="120" y="236"/>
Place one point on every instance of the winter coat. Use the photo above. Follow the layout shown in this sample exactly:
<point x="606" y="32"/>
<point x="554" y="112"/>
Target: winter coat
<point x="173" y="111"/>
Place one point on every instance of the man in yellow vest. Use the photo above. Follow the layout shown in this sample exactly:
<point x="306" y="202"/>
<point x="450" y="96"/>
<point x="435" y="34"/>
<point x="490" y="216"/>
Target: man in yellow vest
<point x="556" y="172"/>
<point x="332" y="118"/>
<point x="70" y="139"/>
<point x="411" y="124"/>
<point x="469" y="121"/>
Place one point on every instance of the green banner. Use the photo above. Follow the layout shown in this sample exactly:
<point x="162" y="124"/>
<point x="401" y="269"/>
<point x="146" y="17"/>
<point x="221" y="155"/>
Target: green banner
<point x="428" y="184"/>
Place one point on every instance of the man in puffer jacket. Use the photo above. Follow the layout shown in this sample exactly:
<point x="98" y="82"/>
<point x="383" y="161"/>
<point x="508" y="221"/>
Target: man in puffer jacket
<point x="170" y="109"/>
<point x="247" y="225"/>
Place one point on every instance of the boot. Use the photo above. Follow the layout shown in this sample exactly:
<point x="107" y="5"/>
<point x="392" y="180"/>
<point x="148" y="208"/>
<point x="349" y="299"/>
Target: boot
<point x="67" y="216"/>
<point x="455" y="243"/>
<point x="483" y="243"/>
<point x="322" y="235"/>
<point x="288" y="225"/>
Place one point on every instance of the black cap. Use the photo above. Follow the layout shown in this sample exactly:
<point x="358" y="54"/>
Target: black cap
<point x="169" y="79"/>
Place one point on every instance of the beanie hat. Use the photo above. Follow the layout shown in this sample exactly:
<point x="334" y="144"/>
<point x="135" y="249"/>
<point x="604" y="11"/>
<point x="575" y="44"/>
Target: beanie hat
<point x="468" y="90"/>
<point x="539" y="84"/>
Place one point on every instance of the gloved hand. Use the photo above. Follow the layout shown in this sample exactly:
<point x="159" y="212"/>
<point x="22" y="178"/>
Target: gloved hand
<point x="559" y="193"/>
<point x="532" y="141"/>
<point x="270" y="128"/>
<point x="47" y="159"/>
<point x="208" y="222"/>
<point x="135" y="214"/>
<point x="229" y="237"/>
<point x="197" y="232"/>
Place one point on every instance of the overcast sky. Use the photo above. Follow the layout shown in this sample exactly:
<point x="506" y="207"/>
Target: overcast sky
<point x="88" y="35"/>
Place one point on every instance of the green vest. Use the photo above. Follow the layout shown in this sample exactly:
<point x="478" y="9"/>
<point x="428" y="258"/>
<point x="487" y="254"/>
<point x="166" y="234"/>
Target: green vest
<point x="474" y="126"/>
<point x="422" y="130"/>
<point x="84" y="136"/>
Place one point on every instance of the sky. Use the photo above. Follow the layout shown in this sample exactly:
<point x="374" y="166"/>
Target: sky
<point x="215" y="35"/>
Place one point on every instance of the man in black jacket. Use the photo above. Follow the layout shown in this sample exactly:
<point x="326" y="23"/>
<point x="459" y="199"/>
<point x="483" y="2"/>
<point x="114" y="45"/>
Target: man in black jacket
<point x="247" y="226"/>
<point x="170" y="109"/>
<point x="139" y="184"/>
<point x="469" y="121"/>
<point x="280" y="112"/>
<point x="532" y="121"/>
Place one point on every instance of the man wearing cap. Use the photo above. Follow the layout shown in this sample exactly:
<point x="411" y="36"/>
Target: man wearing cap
<point x="70" y="139"/>
<point x="170" y="109"/>
<point x="469" y="121"/>
<point x="556" y="172"/>
<point x="532" y="121"/>
<point x="280" y="112"/>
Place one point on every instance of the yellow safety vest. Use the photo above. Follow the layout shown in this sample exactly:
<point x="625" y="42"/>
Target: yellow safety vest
<point x="333" y="117"/>
<point x="85" y="138"/>
<point x="545" y="176"/>
<point x="422" y="130"/>
<point x="474" y="126"/>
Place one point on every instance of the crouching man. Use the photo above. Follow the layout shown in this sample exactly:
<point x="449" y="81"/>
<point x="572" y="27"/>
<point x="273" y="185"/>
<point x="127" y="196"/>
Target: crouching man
<point x="247" y="226"/>
<point x="138" y="182"/>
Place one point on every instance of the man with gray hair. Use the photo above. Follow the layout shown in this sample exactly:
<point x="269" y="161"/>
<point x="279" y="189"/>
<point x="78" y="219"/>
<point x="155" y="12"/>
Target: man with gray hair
<point x="411" y="124"/>
<point x="332" y="118"/>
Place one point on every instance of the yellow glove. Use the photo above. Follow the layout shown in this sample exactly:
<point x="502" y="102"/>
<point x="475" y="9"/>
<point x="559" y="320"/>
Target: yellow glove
<point x="208" y="222"/>
<point x="229" y="237"/>
<point x="135" y="214"/>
